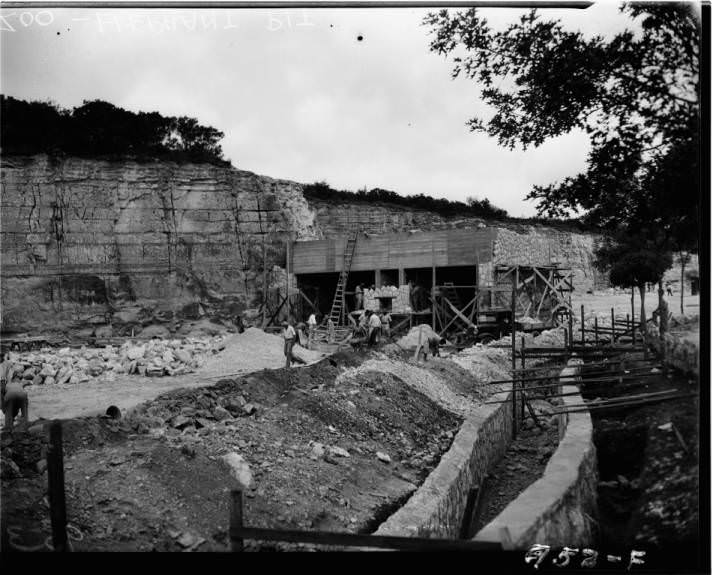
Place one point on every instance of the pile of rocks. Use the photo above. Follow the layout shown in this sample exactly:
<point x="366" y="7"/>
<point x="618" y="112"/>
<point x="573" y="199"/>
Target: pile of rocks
<point x="153" y="358"/>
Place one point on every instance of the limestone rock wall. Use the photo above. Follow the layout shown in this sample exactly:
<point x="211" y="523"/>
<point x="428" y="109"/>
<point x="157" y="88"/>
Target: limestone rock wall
<point x="84" y="241"/>
<point x="537" y="245"/>
<point x="81" y="238"/>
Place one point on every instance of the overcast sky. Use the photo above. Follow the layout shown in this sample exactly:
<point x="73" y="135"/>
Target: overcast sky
<point x="297" y="95"/>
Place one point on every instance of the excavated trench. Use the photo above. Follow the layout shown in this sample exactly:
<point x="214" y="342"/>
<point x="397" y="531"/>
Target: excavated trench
<point x="648" y="476"/>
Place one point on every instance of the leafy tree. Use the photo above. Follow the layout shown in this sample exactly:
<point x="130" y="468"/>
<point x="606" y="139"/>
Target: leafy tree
<point x="633" y="260"/>
<point x="636" y="96"/>
<point x="100" y="129"/>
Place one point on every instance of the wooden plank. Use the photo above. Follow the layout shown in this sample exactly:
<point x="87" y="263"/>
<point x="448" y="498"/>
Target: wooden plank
<point x="55" y="480"/>
<point x="359" y="540"/>
<point x="393" y="251"/>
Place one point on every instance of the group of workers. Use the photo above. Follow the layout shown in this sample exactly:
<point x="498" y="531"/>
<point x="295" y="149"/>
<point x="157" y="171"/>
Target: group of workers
<point x="372" y="325"/>
<point x="13" y="397"/>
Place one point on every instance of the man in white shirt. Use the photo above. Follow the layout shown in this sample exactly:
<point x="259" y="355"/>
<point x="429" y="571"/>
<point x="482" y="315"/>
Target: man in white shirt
<point x="311" y="322"/>
<point x="289" y="336"/>
<point x="374" y="328"/>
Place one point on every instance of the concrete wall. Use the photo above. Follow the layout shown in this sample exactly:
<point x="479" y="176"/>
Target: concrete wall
<point x="559" y="509"/>
<point x="438" y="507"/>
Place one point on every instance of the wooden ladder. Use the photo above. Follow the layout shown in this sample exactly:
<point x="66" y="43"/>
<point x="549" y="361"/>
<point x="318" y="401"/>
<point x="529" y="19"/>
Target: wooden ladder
<point x="337" y="307"/>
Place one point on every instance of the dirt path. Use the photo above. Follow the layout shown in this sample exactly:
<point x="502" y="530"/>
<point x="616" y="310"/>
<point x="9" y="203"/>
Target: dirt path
<point x="93" y="397"/>
<point x="244" y="353"/>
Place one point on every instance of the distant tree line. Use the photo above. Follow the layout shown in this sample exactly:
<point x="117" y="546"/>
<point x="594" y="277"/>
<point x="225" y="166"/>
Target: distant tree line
<point x="473" y="207"/>
<point x="100" y="129"/>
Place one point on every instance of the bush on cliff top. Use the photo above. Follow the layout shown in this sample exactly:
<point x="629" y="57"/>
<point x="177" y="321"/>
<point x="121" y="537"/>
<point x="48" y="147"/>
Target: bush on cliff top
<point x="100" y="129"/>
<point x="473" y="208"/>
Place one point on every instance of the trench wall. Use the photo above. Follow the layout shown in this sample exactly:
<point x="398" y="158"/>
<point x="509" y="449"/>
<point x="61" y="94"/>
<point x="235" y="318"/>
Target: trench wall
<point x="559" y="509"/>
<point x="437" y="508"/>
<point x="682" y="351"/>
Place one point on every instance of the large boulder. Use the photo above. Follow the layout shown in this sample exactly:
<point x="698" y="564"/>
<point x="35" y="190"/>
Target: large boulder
<point x="136" y="352"/>
<point x="239" y="469"/>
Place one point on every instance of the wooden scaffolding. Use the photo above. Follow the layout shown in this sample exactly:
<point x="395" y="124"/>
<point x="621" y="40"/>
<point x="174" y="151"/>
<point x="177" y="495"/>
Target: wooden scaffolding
<point x="542" y="292"/>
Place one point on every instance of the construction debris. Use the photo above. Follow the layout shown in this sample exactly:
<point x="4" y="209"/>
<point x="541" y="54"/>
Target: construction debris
<point x="154" y="358"/>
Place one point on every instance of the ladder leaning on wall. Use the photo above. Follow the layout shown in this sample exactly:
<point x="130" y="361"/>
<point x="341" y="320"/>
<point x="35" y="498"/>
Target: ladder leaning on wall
<point x="337" y="307"/>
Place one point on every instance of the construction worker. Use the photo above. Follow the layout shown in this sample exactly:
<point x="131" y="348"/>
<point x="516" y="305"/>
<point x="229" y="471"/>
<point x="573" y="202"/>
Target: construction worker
<point x="358" y="296"/>
<point x="7" y="370"/>
<point x="386" y="324"/>
<point x="363" y="323"/>
<point x="311" y="322"/>
<point x="13" y="398"/>
<point x="374" y="328"/>
<point x="302" y="337"/>
<point x="289" y="336"/>
<point x="434" y="343"/>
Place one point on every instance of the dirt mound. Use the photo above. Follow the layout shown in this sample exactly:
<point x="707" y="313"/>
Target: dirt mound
<point x="252" y="350"/>
<point x="410" y="340"/>
<point x="420" y="379"/>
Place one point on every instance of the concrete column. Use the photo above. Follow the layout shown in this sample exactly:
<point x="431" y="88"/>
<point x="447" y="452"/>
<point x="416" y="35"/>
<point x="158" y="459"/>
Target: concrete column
<point x="378" y="278"/>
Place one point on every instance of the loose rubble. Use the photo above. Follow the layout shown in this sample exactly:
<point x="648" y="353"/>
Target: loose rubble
<point x="153" y="358"/>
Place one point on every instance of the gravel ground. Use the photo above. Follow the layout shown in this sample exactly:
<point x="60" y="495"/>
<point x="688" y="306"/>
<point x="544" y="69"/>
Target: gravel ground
<point x="252" y="350"/>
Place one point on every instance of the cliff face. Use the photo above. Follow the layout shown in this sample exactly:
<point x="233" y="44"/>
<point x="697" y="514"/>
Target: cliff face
<point x="86" y="239"/>
<point x="78" y="235"/>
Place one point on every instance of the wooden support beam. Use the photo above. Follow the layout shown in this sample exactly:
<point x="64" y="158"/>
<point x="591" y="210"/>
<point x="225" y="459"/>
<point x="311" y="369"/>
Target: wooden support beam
<point x="55" y="480"/>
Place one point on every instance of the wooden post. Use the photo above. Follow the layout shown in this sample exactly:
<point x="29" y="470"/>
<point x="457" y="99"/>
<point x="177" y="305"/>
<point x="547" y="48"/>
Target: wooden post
<point x="566" y="338"/>
<point x="55" y="480"/>
<point x="627" y="321"/>
<point x="571" y="327"/>
<point x="613" y="327"/>
<point x="595" y="330"/>
<point x="236" y="518"/>
<point x="521" y="383"/>
<point x="432" y="291"/>
<point x="513" y="335"/>
<point x="264" y="282"/>
<point x="632" y="312"/>
<point x="583" y="329"/>
<point x="287" y="268"/>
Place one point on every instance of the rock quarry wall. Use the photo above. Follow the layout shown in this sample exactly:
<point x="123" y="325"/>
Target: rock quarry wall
<point x="83" y="237"/>
<point x="91" y="241"/>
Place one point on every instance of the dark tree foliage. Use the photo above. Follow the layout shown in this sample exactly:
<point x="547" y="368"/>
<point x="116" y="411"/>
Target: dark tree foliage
<point x="100" y="129"/>
<point x="634" y="260"/>
<point x="635" y="95"/>
<point x="480" y="208"/>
